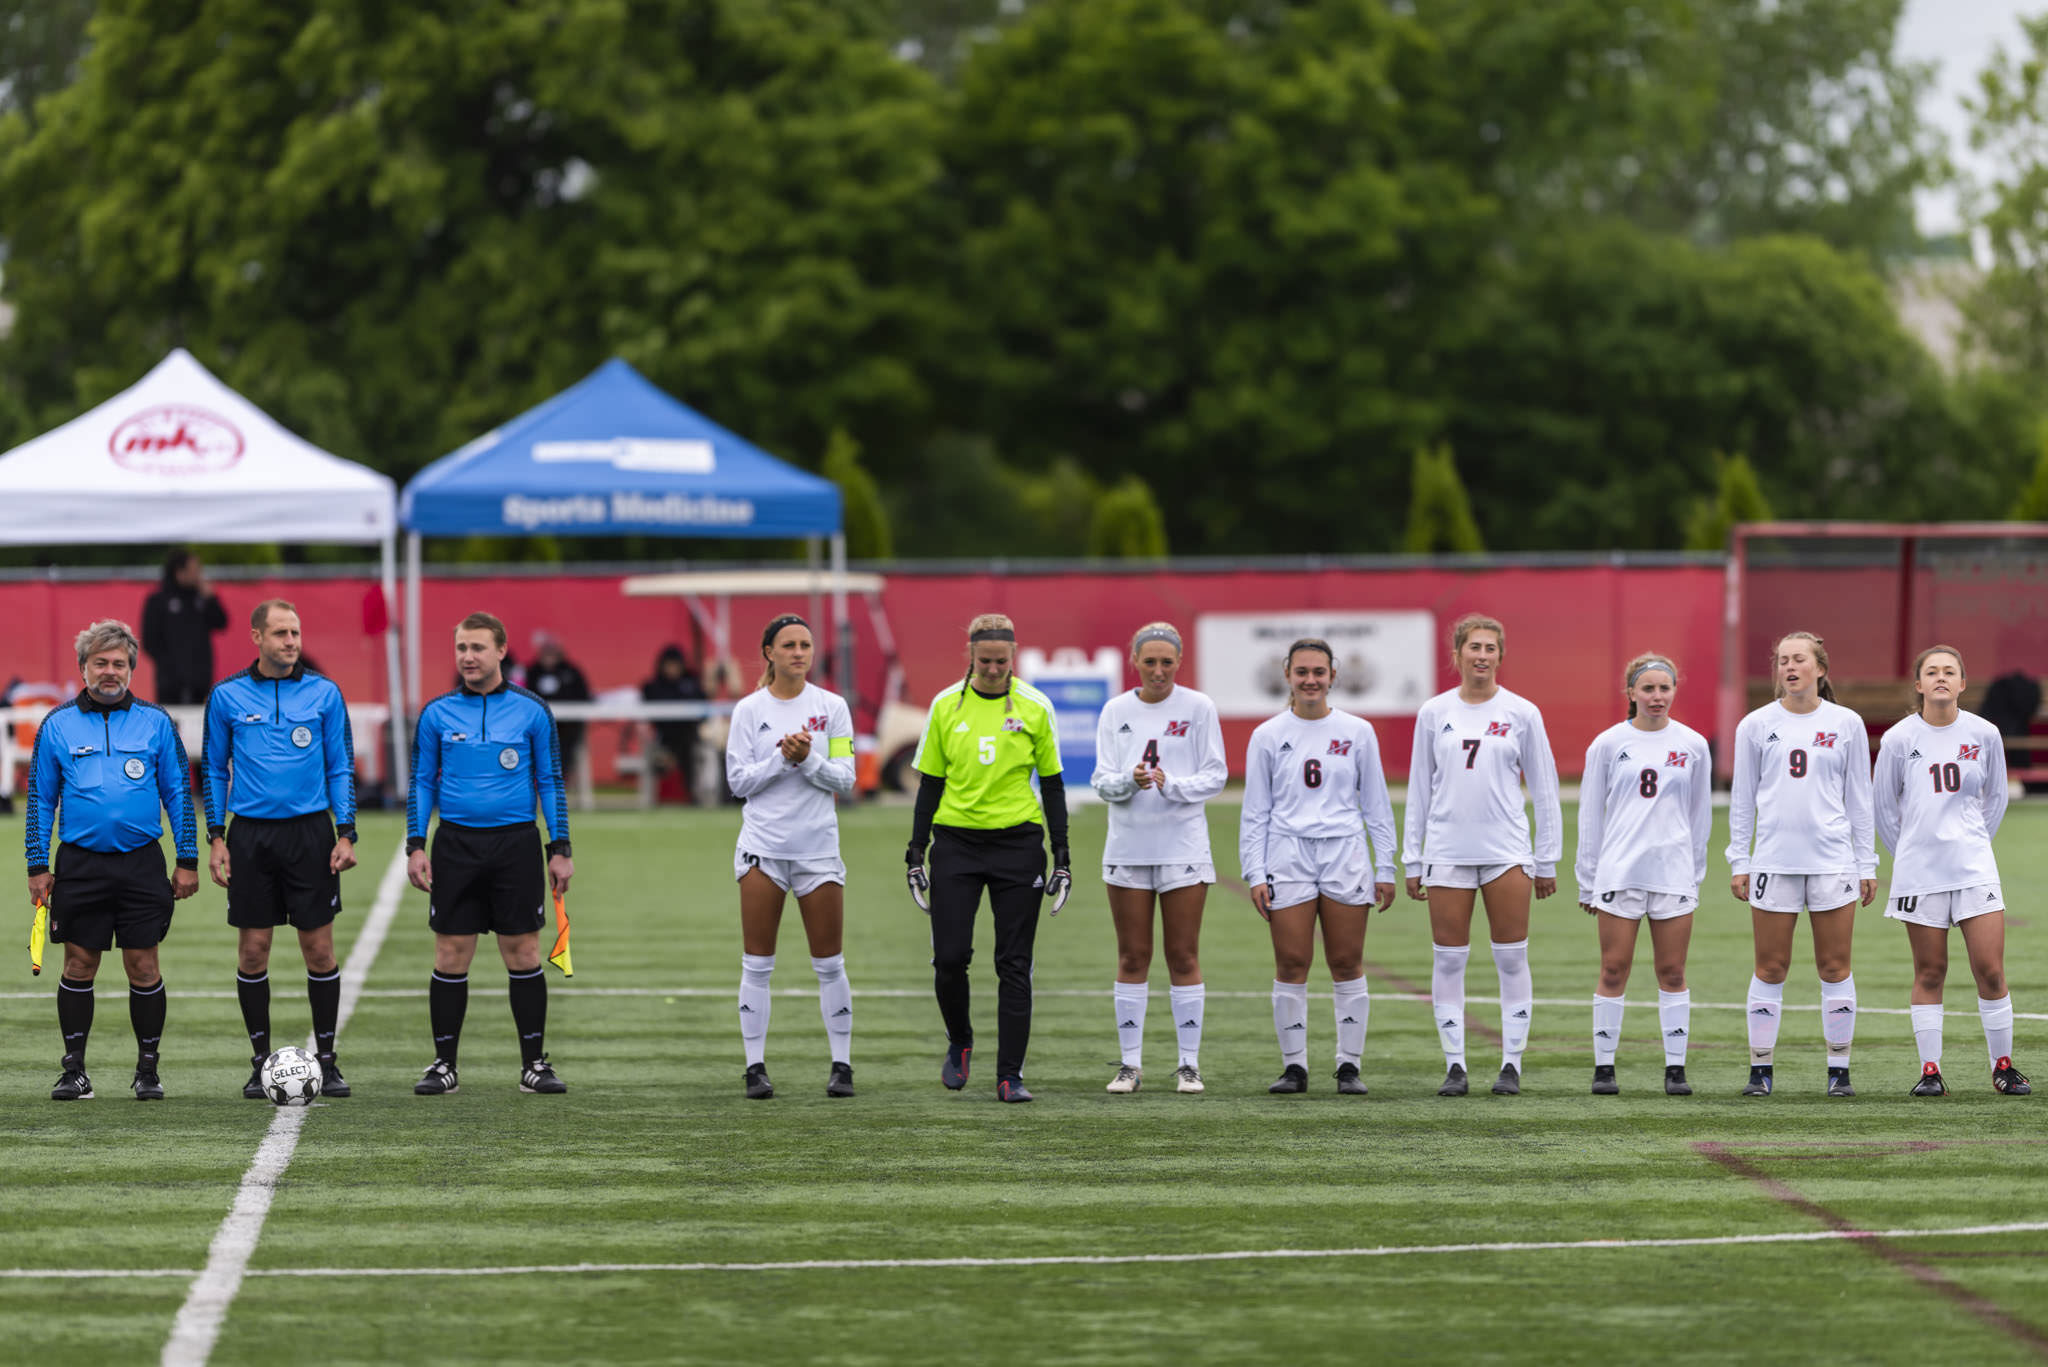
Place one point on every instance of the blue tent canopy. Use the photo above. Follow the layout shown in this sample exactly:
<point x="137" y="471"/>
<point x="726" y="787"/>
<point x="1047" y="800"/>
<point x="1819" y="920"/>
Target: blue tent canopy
<point x="613" y="455"/>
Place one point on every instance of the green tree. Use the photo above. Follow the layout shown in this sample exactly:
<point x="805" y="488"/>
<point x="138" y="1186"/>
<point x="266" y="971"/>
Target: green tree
<point x="1736" y="498"/>
<point x="2033" y="502"/>
<point x="41" y="42"/>
<point x="1439" y="512"/>
<point x="866" y="519"/>
<point x="2008" y="312"/>
<point x="1127" y="523"/>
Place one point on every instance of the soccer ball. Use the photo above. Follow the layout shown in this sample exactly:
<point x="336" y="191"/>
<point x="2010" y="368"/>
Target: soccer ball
<point x="291" y="1076"/>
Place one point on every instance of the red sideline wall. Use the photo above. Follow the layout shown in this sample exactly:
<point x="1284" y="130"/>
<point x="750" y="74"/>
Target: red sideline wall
<point x="1570" y="629"/>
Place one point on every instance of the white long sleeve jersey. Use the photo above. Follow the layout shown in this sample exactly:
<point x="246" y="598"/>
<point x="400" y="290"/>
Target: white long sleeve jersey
<point x="1314" y="780"/>
<point x="789" y="812"/>
<point x="1940" y="794"/>
<point x="1646" y="806"/>
<point x="1802" y="792"/>
<point x="1183" y="737"/>
<point x="1465" y="786"/>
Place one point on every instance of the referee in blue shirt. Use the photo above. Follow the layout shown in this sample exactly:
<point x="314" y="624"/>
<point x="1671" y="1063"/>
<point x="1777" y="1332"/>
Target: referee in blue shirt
<point x="279" y="757"/>
<point x="109" y="766"/>
<point x="485" y="754"/>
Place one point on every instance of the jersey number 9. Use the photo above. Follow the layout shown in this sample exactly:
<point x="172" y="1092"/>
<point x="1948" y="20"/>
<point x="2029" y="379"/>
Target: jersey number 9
<point x="1797" y="762"/>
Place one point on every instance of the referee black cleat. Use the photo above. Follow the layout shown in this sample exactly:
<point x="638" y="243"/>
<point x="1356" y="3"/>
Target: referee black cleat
<point x="1838" y="1082"/>
<point x="438" y="1080"/>
<point x="74" y="1085"/>
<point x="148" y="1086"/>
<point x="1454" y="1082"/>
<point x="332" y="1083"/>
<point x="1011" y="1089"/>
<point x="953" y="1072"/>
<point x="840" y="1083"/>
<point x="1930" y="1083"/>
<point x="759" y="1088"/>
<point x="1674" y="1080"/>
<point x="539" y="1076"/>
<point x="1509" y="1083"/>
<point x="1759" y="1083"/>
<point x="253" y="1088"/>
<point x="1293" y="1078"/>
<point x="1603" y="1080"/>
<point x="2009" y="1080"/>
<point x="1348" y="1081"/>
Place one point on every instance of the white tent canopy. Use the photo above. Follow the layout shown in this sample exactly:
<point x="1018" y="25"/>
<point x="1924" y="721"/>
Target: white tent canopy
<point x="179" y="456"/>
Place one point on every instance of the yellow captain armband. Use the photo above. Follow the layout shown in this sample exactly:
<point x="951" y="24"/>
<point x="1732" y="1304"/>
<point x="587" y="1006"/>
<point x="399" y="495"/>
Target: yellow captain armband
<point x="841" y="748"/>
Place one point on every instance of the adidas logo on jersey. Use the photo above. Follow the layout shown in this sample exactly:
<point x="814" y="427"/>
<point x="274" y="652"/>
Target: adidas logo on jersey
<point x="764" y="727"/>
<point x="961" y="727"/>
<point x="1285" y="746"/>
<point x="1124" y="730"/>
<point x="1914" y="755"/>
<point x="1447" y="727"/>
<point x="1624" y="754"/>
<point x="1768" y="739"/>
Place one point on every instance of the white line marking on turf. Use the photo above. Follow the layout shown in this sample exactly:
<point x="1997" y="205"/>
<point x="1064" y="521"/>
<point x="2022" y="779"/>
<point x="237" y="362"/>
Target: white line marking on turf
<point x="197" y="1327"/>
<point x="1814" y="1236"/>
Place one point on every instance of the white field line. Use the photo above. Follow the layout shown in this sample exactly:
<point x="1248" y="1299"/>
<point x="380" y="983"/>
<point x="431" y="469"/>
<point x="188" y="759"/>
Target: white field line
<point x="1061" y="1260"/>
<point x="199" y="1320"/>
<point x="920" y="993"/>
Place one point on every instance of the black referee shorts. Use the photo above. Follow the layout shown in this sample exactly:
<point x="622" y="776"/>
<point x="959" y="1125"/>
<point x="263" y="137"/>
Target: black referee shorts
<point x="488" y="879"/>
<point x="100" y="896"/>
<point x="278" y="872"/>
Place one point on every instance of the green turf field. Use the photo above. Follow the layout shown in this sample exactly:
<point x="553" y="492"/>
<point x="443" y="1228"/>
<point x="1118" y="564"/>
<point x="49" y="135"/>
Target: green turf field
<point x="654" y="1157"/>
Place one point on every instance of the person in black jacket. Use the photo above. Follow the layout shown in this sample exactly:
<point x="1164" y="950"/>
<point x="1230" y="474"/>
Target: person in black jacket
<point x="556" y="678"/>
<point x="673" y="682"/>
<point x="178" y="622"/>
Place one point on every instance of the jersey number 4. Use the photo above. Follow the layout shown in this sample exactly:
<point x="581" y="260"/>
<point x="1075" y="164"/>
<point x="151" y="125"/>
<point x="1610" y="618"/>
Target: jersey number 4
<point x="1152" y="754"/>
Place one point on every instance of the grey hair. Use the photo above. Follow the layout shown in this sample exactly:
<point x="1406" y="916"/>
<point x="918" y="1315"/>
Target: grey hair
<point x="105" y="635"/>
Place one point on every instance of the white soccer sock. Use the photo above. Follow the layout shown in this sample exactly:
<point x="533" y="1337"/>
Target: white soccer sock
<point x="1517" y="999"/>
<point x="1927" y="1031"/>
<point x="1674" y="1014"/>
<point x="1290" y="1021"/>
<point x="754" y="971"/>
<point x="1354" y="1011"/>
<point x="1838" y="1019"/>
<point x="1997" y="1018"/>
<point x="1447" y="997"/>
<point x="1606" y="1027"/>
<point x="1188" y="1003"/>
<point x="835" y="1004"/>
<point x="1131" y="1000"/>
<point x="1766" y="1007"/>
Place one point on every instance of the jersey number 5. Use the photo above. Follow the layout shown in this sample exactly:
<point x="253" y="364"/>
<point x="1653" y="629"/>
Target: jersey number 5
<point x="988" y="749"/>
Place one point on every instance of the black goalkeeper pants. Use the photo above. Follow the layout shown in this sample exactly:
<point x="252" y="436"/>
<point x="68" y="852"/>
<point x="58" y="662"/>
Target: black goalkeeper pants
<point x="1010" y="865"/>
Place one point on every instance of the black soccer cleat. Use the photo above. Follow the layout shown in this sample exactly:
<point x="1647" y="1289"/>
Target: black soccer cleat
<point x="1011" y="1089"/>
<point x="1674" y="1080"/>
<point x="1759" y="1083"/>
<point x="1454" y="1082"/>
<point x="74" y="1085"/>
<point x="1293" y="1078"/>
<point x="755" y="1080"/>
<point x="539" y="1076"/>
<point x="1509" y="1083"/>
<point x="953" y="1072"/>
<point x="1930" y="1083"/>
<point x="1348" y="1081"/>
<point x="2009" y="1080"/>
<point x="1603" y="1080"/>
<point x="253" y="1088"/>
<point x="148" y="1086"/>
<point x="1838" y="1082"/>
<point x="438" y="1080"/>
<point x="840" y="1083"/>
<point x="332" y="1083"/>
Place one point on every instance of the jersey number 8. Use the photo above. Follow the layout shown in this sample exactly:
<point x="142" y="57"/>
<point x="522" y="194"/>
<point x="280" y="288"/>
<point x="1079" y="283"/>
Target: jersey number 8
<point x="1647" y="784"/>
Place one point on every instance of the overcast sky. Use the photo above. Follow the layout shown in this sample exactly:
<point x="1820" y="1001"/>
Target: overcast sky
<point x="1960" y="36"/>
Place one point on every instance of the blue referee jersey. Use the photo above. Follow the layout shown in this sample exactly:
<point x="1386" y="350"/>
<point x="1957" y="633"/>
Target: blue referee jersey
<point x="278" y="748"/>
<point x="485" y="759"/>
<point x="111" y="771"/>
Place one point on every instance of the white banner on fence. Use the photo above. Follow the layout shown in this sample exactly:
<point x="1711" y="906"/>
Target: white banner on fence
<point x="1386" y="661"/>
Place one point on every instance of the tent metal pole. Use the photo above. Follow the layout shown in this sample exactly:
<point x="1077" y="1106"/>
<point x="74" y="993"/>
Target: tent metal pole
<point x="394" y="682"/>
<point x="842" y="629"/>
<point x="813" y="549"/>
<point x="412" y="624"/>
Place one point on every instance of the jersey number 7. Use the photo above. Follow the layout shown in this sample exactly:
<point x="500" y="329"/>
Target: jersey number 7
<point x="1471" y="751"/>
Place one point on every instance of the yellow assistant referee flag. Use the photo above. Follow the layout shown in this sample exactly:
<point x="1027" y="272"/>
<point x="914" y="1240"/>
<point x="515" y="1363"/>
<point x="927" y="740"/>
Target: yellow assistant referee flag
<point x="559" y="955"/>
<point x="38" y="936"/>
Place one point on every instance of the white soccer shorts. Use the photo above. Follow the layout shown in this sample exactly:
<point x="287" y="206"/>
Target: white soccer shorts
<point x="1468" y="875"/>
<point x="800" y="876"/>
<point x="1632" y="904"/>
<point x="1944" y="909"/>
<point x="1301" y="869"/>
<point x="1796" y="892"/>
<point x="1181" y="873"/>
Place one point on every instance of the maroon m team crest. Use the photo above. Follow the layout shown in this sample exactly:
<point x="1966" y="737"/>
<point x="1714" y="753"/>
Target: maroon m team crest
<point x="1825" y="740"/>
<point x="1340" y="747"/>
<point x="1176" y="728"/>
<point x="1969" y="752"/>
<point x="1496" y="728"/>
<point x="816" y="724"/>
<point x="1675" y="760"/>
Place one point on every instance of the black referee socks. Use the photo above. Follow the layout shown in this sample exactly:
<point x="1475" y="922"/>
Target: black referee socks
<point x="74" y="1017"/>
<point x="447" y="1003"/>
<point x="146" y="1007"/>
<point x="254" y="995"/>
<point x="529" y="993"/>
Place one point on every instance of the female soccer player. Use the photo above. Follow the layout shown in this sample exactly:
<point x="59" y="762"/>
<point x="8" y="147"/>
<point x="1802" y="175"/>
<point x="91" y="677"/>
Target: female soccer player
<point x="1940" y="794"/>
<point x="1311" y="774"/>
<point x="1802" y="789"/>
<point x="1475" y="748"/>
<point x="1645" y="808"/>
<point x="982" y="741"/>
<point x="790" y="753"/>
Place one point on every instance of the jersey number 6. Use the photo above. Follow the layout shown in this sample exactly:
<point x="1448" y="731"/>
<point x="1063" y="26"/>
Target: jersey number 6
<point x="1312" y="773"/>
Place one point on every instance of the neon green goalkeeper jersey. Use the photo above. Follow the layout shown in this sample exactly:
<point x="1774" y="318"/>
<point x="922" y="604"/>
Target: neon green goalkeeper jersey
<point x="985" y="749"/>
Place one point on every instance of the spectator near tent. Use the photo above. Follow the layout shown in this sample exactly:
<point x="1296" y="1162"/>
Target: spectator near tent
<point x="674" y="681"/>
<point x="556" y="678"/>
<point x="178" y="622"/>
